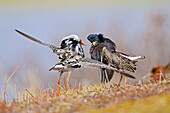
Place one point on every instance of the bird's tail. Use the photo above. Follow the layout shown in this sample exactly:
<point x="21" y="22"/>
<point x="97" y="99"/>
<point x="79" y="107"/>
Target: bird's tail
<point x="130" y="57"/>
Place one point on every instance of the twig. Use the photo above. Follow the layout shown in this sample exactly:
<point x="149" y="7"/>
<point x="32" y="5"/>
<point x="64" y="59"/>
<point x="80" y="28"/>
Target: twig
<point x="6" y="82"/>
<point x="62" y="88"/>
<point x="14" y="71"/>
<point x="4" y="93"/>
<point x="30" y="93"/>
<point x="75" y="85"/>
<point x="16" y="92"/>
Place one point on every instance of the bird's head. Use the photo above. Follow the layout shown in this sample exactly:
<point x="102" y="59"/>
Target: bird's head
<point x="95" y="38"/>
<point x="73" y="42"/>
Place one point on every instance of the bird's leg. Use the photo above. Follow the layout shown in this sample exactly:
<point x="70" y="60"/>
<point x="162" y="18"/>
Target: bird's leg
<point x="116" y="80"/>
<point x="107" y="79"/>
<point x="117" y="77"/>
<point x="103" y="76"/>
<point x="119" y="72"/>
<point x="68" y="83"/>
<point x="100" y="74"/>
<point x="58" y="83"/>
<point x="120" y="80"/>
<point x="125" y="81"/>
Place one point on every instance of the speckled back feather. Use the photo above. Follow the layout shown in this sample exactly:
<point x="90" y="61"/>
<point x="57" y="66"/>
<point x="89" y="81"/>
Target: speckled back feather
<point x="118" y="61"/>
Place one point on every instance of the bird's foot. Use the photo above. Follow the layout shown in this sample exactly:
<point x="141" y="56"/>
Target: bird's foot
<point x="125" y="81"/>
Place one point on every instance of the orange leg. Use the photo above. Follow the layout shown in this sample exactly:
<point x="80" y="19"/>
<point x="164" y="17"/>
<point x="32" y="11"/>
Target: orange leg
<point x="58" y="83"/>
<point x="125" y="81"/>
<point x="120" y="80"/>
<point x="67" y="82"/>
<point x="117" y="77"/>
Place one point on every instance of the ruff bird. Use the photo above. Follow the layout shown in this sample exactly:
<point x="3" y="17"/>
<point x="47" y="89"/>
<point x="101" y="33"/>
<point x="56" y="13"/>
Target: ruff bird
<point x="98" y="42"/>
<point x="104" y="50"/>
<point x="72" y="56"/>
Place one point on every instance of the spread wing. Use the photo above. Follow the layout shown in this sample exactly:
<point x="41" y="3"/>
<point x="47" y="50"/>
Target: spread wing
<point x="76" y="61"/>
<point x="54" y="48"/>
<point x="87" y="62"/>
<point x="62" y="53"/>
<point x="72" y="61"/>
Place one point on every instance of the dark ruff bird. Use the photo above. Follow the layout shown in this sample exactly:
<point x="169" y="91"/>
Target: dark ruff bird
<point x="98" y="42"/>
<point x="104" y="50"/>
<point x="72" y="56"/>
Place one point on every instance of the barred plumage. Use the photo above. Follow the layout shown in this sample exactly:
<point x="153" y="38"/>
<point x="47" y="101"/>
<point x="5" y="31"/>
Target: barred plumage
<point x="118" y="61"/>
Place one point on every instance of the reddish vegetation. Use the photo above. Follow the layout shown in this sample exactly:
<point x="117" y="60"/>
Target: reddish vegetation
<point x="159" y="72"/>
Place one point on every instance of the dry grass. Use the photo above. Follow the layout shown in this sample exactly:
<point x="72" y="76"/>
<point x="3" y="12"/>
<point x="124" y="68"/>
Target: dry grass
<point x="6" y="83"/>
<point x="101" y="98"/>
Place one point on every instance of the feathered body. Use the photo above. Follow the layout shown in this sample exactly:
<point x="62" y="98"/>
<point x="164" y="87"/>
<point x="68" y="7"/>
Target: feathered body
<point x="96" y="53"/>
<point x="98" y="42"/>
<point x="74" y="43"/>
<point x="104" y="50"/>
<point x="119" y="61"/>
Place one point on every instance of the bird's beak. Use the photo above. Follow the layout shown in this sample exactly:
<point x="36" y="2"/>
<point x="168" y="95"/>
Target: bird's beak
<point x="94" y="43"/>
<point x="82" y="42"/>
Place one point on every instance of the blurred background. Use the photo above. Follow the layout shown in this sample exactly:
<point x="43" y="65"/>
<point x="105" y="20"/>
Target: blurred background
<point x="137" y="28"/>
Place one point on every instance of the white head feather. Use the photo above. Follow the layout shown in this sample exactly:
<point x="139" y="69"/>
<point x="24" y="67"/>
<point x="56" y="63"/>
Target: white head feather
<point x="75" y="37"/>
